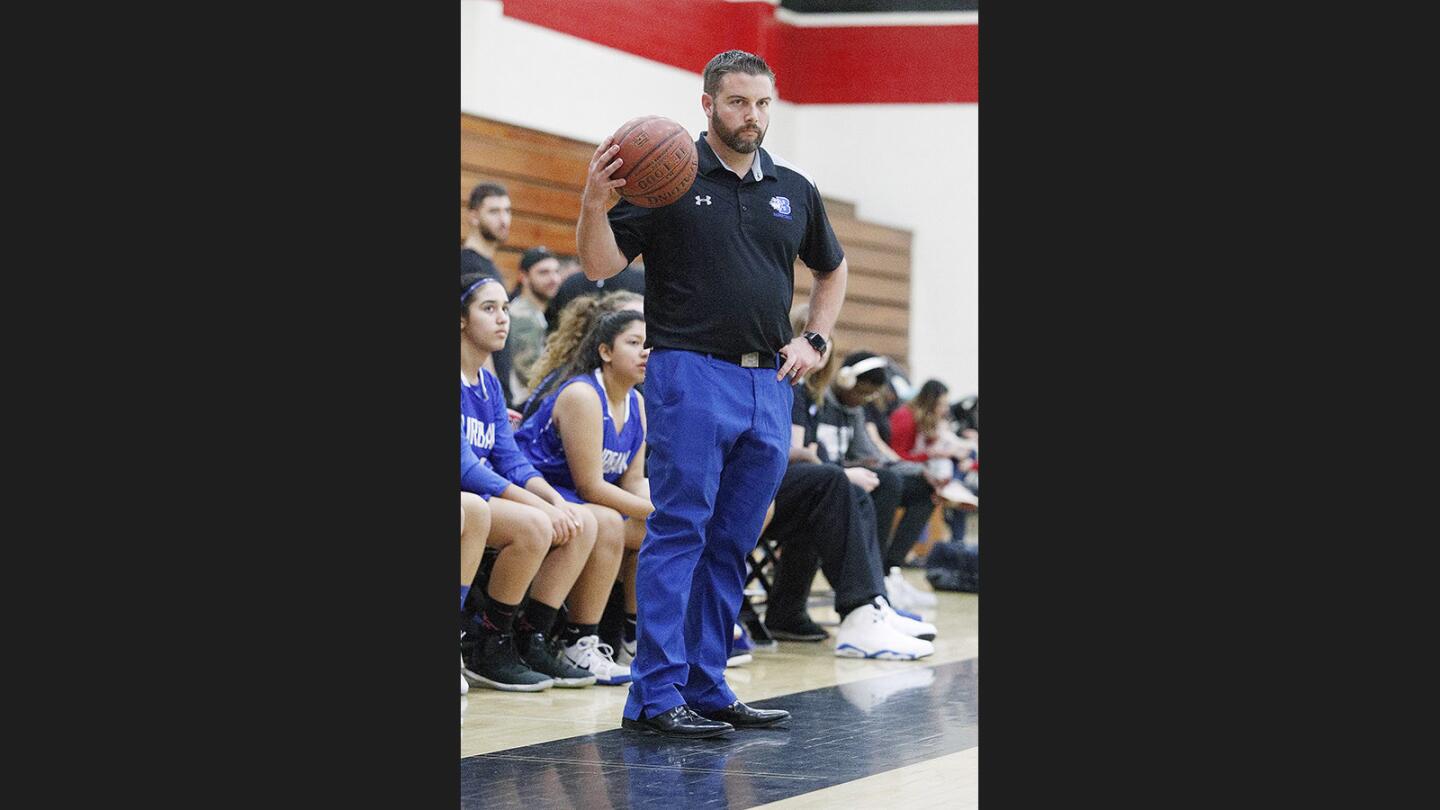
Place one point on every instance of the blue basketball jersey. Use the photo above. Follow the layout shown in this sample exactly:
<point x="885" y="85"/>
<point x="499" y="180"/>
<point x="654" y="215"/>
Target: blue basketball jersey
<point x="485" y="426"/>
<point x="539" y="439"/>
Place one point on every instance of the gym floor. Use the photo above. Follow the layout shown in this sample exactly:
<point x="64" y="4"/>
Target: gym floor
<point x="862" y="732"/>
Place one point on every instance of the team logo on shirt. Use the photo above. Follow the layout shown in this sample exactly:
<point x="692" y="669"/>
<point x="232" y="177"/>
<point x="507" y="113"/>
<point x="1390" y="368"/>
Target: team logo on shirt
<point x="781" y="206"/>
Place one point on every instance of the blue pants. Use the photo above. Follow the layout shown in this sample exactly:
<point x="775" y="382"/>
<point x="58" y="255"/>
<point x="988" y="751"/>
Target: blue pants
<point x="719" y="436"/>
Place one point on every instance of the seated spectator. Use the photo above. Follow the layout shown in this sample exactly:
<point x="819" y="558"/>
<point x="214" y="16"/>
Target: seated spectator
<point x="834" y="419"/>
<point x="631" y="279"/>
<point x="569" y="266"/>
<point x="878" y="409"/>
<point x="822" y="517"/>
<point x="501" y="643"/>
<point x="920" y="432"/>
<point x="965" y="413"/>
<point x="539" y="279"/>
<point x="488" y="215"/>
<point x="586" y="434"/>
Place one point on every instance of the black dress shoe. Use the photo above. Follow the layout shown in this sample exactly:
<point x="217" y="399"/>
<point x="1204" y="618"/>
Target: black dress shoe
<point x="739" y="715"/>
<point x="680" y="721"/>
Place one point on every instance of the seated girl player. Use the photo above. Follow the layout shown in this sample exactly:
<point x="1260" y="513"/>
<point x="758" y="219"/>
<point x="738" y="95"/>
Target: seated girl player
<point x="572" y="324"/>
<point x="585" y="432"/>
<point x="501" y="642"/>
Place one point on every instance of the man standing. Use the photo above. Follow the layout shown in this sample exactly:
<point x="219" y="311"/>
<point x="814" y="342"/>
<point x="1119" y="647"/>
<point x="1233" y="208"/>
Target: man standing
<point x="488" y="213"/>
<point x="539" y="279"/>
<point x="719" y="279"/>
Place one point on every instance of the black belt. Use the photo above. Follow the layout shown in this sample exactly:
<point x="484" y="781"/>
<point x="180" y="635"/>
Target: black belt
<point x="751" y="360"/>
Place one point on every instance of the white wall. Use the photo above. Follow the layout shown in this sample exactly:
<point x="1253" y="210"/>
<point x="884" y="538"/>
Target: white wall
<point x="911" y="166"/>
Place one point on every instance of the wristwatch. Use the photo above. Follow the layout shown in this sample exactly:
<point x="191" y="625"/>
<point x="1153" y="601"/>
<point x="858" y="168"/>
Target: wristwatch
<point x="816" y="341"/>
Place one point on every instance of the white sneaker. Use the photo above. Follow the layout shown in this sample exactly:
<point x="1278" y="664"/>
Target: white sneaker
<point x="915" y="597"/>
<point x="904" y="624"/>
<point x="464" y="684"/>
<point x="588" y="653"/>
<point x="626" y="653"/>
<point x="866" y="633"/>
<point x="739" y="659"/>
<point x="896" y="595"/>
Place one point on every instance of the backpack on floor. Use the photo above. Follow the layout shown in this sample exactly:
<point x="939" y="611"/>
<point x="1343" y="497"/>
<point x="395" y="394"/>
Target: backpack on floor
<point x="953" y="566"/>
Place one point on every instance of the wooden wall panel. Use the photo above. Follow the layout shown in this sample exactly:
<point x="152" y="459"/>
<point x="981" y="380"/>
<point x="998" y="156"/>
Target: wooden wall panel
<point x="545" y="173"/>
<point x="525" y="196"/>
<point x="862" y="286"/>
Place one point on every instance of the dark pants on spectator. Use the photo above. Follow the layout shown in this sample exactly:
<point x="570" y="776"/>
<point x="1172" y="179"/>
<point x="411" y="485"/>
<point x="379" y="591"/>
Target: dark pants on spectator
<point x="913" y="493"/>
<point x="823" y="521"/>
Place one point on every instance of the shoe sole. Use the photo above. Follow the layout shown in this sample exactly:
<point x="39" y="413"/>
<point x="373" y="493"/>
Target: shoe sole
<point x="851" y="651"/>
<point x="573" y="683"/>
<point x="738" y="660"/>
<point x="639" y="727"/>
<point x="786" y="636"/>
<point x="481" y="680"/>
<point x="780" y="723"/>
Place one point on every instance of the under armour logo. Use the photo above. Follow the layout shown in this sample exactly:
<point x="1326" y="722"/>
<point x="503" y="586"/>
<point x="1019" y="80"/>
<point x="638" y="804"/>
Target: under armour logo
<point x="705" y="199"/>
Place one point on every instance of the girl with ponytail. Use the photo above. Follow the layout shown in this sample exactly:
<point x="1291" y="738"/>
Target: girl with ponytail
<point x="584" y="431"/>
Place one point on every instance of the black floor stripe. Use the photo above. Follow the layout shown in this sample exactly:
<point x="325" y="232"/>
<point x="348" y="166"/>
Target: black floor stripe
<point x="837" y="734"/>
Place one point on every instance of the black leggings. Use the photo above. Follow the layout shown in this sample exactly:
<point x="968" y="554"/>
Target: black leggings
<point x="823" y="521"/>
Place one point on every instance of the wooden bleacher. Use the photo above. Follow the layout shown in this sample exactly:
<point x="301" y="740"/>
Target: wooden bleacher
<point x="545" y="174"/>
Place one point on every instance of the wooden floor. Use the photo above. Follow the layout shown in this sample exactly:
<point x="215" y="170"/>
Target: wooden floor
<point x="847" y="698"/>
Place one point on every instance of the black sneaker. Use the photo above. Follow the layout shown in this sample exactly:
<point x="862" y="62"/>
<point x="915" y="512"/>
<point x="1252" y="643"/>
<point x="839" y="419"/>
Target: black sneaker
<point x="543" y="655"/>
<point x="492" y="660"/>
<point x="800" y="628"/>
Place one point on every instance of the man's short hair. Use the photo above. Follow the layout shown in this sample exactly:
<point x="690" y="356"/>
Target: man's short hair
<point x="480" y="192"/>
<point x="533" y="256"/>
<point x="733" y="62"/>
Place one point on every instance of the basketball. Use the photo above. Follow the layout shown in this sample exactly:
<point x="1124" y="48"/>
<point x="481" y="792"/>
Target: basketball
<point x="660" y="161"/>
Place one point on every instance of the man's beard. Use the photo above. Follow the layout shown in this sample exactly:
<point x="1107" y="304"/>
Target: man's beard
<point x="730" y="137"/>
<point x="489" y="235"/>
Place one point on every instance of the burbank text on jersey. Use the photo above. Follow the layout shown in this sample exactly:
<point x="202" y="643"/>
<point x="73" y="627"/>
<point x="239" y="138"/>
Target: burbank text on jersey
<point x="479" y="434"/>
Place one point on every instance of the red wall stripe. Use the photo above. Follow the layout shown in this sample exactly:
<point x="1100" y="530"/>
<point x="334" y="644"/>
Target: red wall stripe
<point x="813" y="65"/>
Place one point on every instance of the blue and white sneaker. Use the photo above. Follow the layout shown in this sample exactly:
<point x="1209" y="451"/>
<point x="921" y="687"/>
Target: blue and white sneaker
<point x="598" y="658"/>
<point x="741" y="648"/>
<point x="626" y="653"/>
<point x="907" y="623"/>
<point x="867" y="633"/>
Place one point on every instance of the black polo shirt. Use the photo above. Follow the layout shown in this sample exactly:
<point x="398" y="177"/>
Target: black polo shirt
<point x="720" y="261"/>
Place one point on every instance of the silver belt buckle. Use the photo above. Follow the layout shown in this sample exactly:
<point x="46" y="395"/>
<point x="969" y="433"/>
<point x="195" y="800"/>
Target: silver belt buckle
<point x="750" y="360"/>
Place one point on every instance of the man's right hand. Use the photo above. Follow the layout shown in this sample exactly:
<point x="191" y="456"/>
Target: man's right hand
<point x="598" y="184"/>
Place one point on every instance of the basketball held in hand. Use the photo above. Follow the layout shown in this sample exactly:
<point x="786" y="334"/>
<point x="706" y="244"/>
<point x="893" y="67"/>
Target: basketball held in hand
<point x="659" y="161"/>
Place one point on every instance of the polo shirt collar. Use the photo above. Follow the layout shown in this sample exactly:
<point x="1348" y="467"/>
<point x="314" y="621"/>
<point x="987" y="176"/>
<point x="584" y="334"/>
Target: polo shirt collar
<point x="762" y="168"/>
